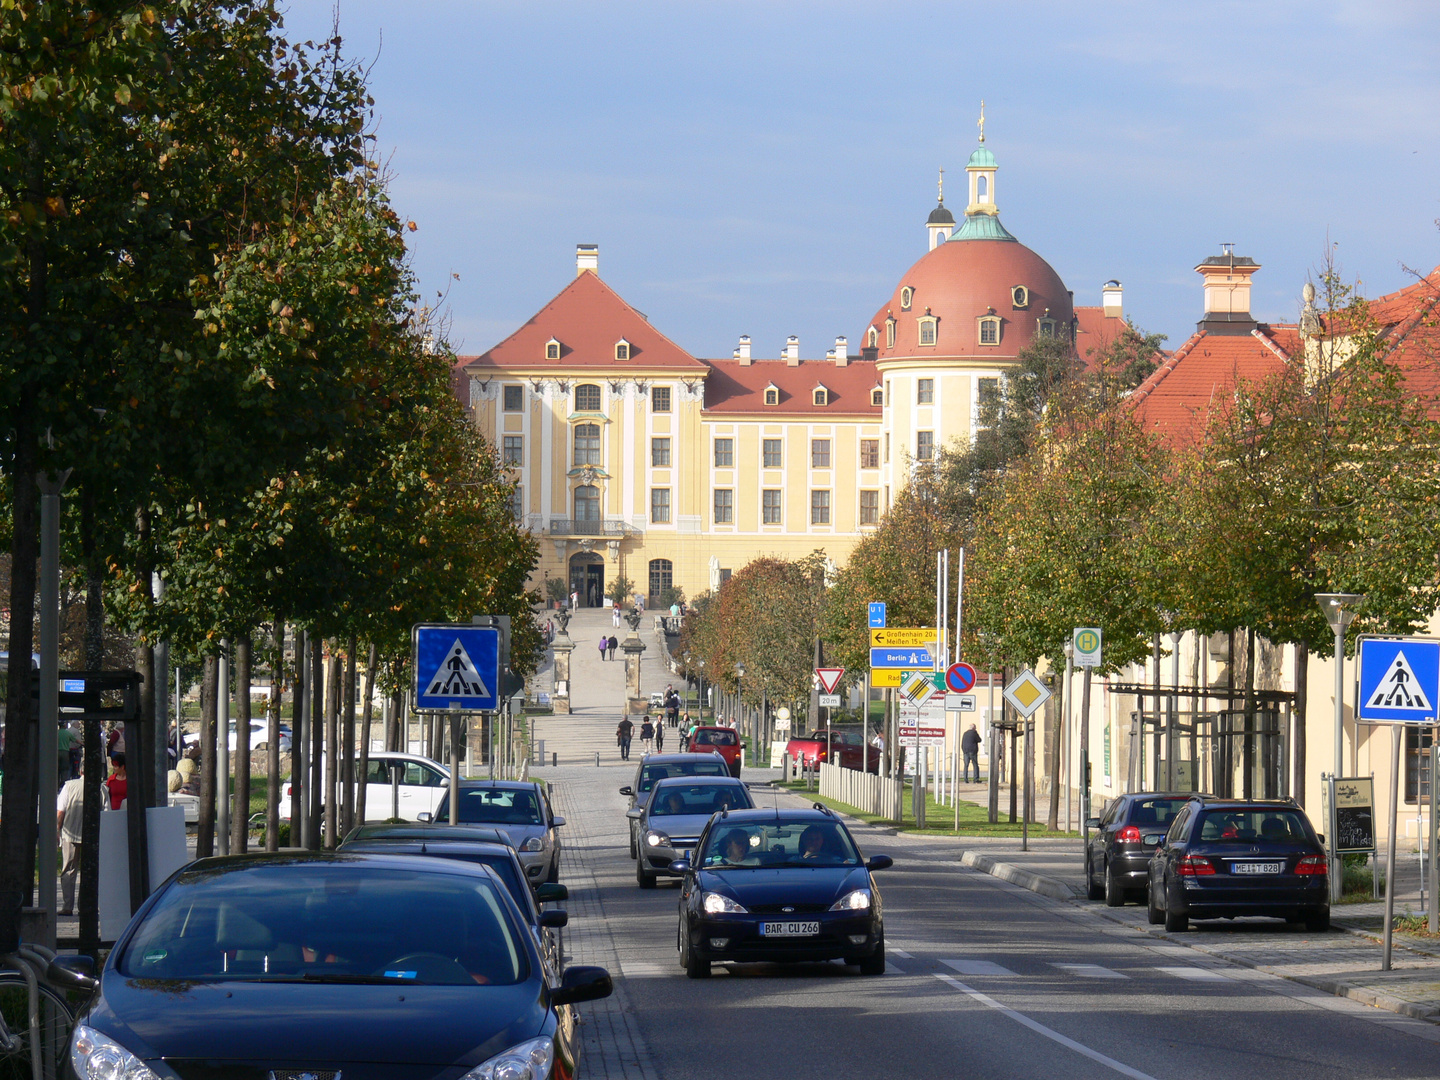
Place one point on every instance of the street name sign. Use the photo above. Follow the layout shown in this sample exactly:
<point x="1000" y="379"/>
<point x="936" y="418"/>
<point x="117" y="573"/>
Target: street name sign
<point x="901" y="658"/>
<point x="829" y="678"/>
<point x="1087" y="641"/>
<point x="877" y="613"/>
<point x="456" y="667"/>
<point x="903" y="637"/>
<point x="959" y="678"/>
<point x="1399" y="679"/>
<point x="1026" y="694"/>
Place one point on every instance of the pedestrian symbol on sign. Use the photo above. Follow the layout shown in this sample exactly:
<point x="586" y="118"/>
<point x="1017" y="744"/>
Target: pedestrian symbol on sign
<point x="1399" y="689"/>
<point x="457" y="676"/>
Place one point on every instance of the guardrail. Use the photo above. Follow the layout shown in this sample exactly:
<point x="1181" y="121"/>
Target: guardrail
<point x="867" y="792"/>
<point x="591" y="527"/>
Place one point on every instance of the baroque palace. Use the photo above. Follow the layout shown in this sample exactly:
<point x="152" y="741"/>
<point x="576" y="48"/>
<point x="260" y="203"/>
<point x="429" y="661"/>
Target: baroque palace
<point x="636" y="458"/>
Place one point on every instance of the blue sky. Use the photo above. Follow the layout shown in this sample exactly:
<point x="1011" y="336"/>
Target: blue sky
<point x="767" y="168"/>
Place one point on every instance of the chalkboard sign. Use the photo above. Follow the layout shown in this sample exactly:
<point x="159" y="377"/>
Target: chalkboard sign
<point x="1354" y="814"/>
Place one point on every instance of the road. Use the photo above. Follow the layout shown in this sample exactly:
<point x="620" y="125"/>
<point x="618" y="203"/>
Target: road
<point x="985" y="980"/>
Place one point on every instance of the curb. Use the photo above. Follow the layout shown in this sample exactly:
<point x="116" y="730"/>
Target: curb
<point x="1026" y="879"/>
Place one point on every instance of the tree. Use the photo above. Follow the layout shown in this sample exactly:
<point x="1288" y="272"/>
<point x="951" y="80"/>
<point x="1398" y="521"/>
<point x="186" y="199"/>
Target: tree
<point x="621" y="589"/>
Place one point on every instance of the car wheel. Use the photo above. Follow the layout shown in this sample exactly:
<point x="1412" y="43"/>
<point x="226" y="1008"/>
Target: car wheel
<point x="1175" y="923"/>
<point x="554" y="876"/>
<point x="874" y="964"/>
<point x="1114" y="894"/>
<point x="1153" y="913"/>
<point x="642" y="878"/>
<point x="695" y="966"/>
<point x="1319" y="922"/>
<point x="1092" y="891"/>
<point x="634" y="851"/>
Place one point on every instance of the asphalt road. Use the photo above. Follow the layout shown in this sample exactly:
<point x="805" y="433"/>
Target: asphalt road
<point x="985" y="980"/>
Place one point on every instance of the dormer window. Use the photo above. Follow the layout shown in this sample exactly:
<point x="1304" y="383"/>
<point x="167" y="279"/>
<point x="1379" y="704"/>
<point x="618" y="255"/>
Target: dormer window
<point x="622" y="349"/>
<point x="772" y="395"/>
<point x="890" y="332"/>
<point x="821" y="396"/>
<point x="877" y="397"/>
<point x="872" y="338"/>
<point x="1046" y="328"/>
<point x="927" y="329"/>
<point x="552" y="349"/>
<point x="1019" y="297"/>
<point x="907" y="294"/>
<point x="989" y="330"/>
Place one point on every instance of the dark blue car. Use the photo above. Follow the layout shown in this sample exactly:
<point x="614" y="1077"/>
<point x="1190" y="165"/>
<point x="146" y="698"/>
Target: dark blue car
<point x="779" y="885"/>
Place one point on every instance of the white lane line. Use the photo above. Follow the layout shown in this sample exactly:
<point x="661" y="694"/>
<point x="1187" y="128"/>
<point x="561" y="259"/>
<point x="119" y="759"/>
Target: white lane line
<point x="1195" y="974"/>
<point x="977" y="967"/>
<point x="1090" y="971"/>
<point x="891" y="969"/>
<point x="901" y="953"/>
<point x="1049" y="1033"/>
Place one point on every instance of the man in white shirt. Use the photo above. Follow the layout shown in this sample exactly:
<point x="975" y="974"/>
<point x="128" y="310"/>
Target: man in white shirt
<point x="70" y="805"/>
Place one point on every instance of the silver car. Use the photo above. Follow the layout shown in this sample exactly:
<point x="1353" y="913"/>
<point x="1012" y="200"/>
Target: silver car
<point x="520" y="809"/>
<point x="676" y="815"/>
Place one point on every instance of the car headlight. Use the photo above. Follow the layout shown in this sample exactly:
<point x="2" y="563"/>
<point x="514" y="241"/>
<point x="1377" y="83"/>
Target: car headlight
<point x="530" y="1060"/>
<point x="655" y="839"/>
<point x="95" y="1057"/>
<point x="533" y="844"/>
<point x="716" y="903"/>
<point x="855" y="900"/>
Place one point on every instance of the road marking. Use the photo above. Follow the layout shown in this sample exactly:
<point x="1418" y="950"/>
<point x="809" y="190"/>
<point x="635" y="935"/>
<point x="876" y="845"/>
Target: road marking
<point x="1195" y="974"/>
<point x="1040" y="1029"/>
<point x="977" y="967"/>
<point x="902" y="954"/>
<point x="891" y="969"/>
<point x="1090" y="971"/>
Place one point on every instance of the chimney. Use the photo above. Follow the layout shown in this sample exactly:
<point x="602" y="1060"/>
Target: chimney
<point x="587" y="257"/>
<point x="742" y="351"/>
<point x="1112" y="296"/>
<point x="842" y="351"/>
<point x="1227" y="292"/>
<point x="792" y="351"/>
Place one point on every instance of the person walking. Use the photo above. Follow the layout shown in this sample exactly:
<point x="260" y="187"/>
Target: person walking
<point x="647" y="735"/>
<point x="69" y="809"/>
<point x="615" y="614"/>
<point x="970" y="747"/>
<point x="659" y="738"/>
<point x="604" y="643"/>
<point x="613" y="644"/>
<point x="116" y="784"/>
<point x="623" y="733"/>
<point x="574" y="600"/>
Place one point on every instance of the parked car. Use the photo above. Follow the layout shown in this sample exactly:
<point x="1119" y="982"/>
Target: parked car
<point x="522" y="809"/>
<point x="259" y="736"/>
<point x="782" y="885"/>
<point x="679" y="808"/>
<point x="656" y="767"/>
<point x="1226" y="858"/>
<point x="717" y="740"/>
<point x="389" y="830"/>
<point x="845" y="748"/>
<point x="422" y="784"/>
<point x="290" y="959"/>
<point x="1118" y="850"/>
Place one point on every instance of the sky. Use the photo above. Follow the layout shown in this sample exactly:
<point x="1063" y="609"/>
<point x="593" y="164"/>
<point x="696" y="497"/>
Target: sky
<point x="767" y="168"/>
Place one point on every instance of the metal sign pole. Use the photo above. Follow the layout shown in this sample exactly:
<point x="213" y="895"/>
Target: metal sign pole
<point x="1395" y="736"/>
<point x="1434" y="801"/>
<point x="454" y="763"/>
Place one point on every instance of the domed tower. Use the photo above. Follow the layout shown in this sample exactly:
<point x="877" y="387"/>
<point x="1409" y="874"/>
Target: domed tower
<point x="941" y="222"/>
<point x="956" y="323"/>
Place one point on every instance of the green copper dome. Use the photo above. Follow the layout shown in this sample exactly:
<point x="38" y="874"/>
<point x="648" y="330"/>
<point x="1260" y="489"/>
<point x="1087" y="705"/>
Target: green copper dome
<point x="982" y="158"/>
<point x="981" y="227"/>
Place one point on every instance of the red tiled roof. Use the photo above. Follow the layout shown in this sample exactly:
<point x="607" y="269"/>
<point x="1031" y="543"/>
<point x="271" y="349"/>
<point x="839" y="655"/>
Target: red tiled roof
<point x="1094" y="330"/>
<point x="587" y="318"/>
<point x="735" y="389"/>
<point x="1410" y="322"/>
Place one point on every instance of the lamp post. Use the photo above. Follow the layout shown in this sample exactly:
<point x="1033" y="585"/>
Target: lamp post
<point x="739" y="689"/>
<point x="1339" y="610"/>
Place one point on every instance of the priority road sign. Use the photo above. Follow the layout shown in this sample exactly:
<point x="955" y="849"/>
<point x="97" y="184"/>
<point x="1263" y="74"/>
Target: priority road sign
<point x="901" y="658"/>
<point x="1026" y="694"/>
<point x="903" y="637"/>
<point x="456" y="667"/>
<point x="877" y="613"/>
<point x="1399" y="679"/>
<point x="829" y="678"/>
<point x="1087" y="642"/>
<point x="959" y="678"/>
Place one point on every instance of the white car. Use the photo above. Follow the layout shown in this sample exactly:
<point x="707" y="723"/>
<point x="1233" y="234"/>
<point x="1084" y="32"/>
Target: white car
<point x="259" y="736"/>
<point x="422" y="784"/>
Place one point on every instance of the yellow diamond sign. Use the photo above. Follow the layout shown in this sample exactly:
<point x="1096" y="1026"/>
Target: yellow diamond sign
<point x="1026" y="694"/>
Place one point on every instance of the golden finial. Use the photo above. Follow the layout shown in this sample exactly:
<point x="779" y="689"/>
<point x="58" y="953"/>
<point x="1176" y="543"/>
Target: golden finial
<point x="942" y="186"/>
<point x="982" y="121"/>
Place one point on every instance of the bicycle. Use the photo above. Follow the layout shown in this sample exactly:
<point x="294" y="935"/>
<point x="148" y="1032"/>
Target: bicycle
<point x="34" y="1016"/>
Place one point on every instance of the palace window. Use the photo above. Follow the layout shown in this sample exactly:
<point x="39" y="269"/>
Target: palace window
<point x="889" y="333"/>
<point x="514" y="450"/>
<point x="772" y="453"/>
<point x="622" y="349"/>
<point x="724" y="506"/>
<point x="989" y="330"/>
<point x="662" y="578"/>
<point x="587" y="397"/>
<point x="877" y="397"/>
<point x="724" y="453"/>
<point x="660" y="453"/>
<point x="925" y="446"/>
<point x="772" y="395"/>
<point x="819" y="508"/>
<point x="925" y="391"/>
<point x="819" y="453"/>
<point x="869" y="508"/>
<point x="1045" y="328"/>
<point x="869" y="453"/>
<point x="821" y="396"/>
<point x="660" y="399"/>
<point x="770" y="506"/>
<point x="660" y="506"/>
<point x="587" y="503"/>
<point x="552" y="349"/>
<point x="927" y="330"/>
<point x="514" y="398"/>
<point x="1020" y="296"/>
<point x="872" y="338"/>
<point x="587" y="444"/>
<point x="907" y="294"/>
<point x="517" y="503"/>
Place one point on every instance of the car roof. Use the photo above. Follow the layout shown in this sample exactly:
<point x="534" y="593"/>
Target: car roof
<point x="672" y="759"/>
<point x="763" y="814"/>
<point x="697" y="781"/>
<point x="1211" y="802"/>
<point x="440" y="832"/>
<point x="499" y="785"/>
<point x="420" y="847"/>
<point x="379" y="858"/>
<point x="1134" y="795"/>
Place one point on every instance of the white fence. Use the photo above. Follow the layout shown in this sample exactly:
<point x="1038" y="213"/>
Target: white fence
<point x="867" y="792"/>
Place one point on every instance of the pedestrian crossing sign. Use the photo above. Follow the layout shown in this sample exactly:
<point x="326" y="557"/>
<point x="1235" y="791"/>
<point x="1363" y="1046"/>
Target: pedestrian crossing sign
<point x="1399" y="679"/>
<point x="457" y="667"/>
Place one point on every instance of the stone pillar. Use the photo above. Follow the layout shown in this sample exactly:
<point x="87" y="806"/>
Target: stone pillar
<point x="632" y="646"/>
<point x="562" y="647"/>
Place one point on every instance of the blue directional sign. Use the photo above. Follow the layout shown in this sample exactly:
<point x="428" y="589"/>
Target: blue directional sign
<point x="1399" y="679"/>
<point x="457" y="665"/>
<point x="901" y="658"/>
<point x="877" y="615"/>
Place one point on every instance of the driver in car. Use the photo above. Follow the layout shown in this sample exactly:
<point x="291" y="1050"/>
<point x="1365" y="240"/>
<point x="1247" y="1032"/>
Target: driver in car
<point x="737" y="847"/>
<point x="812" y="844"/>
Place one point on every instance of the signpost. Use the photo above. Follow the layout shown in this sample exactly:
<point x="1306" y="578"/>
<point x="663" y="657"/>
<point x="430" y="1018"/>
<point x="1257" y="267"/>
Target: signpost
<point x="904" y="637"/>
<point x="457" y="669"/>
<point x="877" y="613"/>
<point x="911" y="659"/>
<point x="1086" y="643"/>
<point x="1025" y="695"/>
<point x="959" y="678"/>
<point x="829" y="678"/>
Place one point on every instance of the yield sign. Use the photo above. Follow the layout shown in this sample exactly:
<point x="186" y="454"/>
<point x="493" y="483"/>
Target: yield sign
<point x="829" y="678"/>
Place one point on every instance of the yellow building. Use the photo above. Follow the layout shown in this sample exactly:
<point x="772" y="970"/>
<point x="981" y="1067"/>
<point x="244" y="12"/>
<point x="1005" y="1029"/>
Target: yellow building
<point x="636" y="458"/>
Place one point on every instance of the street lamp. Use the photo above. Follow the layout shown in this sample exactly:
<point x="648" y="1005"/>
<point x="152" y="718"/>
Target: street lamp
<point x="739" y="688"/>
<point x="1339" y="610"/>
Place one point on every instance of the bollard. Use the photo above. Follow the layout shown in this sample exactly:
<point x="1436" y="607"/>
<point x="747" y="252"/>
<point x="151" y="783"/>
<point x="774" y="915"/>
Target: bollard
<point x="597" y="759"/>
<point x="555" y="759"/>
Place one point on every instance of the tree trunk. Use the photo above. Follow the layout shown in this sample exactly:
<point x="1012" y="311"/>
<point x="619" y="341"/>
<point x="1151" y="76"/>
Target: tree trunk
<point x="209" y="699"/>
<point x="1302" y="702"/>
<point x="332" y="754"/>
<point x="240" y="812"/>
<point x="1249" y="751"/>
<point x="272" y="736"/>
<point x="140" y="761"/>
<point x="315" y="792"/>
<point x="360" y="801"/>
<point x="94" y="743"/>
<point x="347" y="761"/>
<point x="1056" y="733"/>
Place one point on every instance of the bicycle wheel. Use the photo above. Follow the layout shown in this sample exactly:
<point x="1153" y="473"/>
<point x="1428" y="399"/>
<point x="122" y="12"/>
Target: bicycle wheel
<point x="56" y="1023"/>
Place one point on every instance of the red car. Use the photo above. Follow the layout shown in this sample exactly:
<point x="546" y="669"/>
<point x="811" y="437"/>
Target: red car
<point x="717" y="740"/>
<point x="847" y="749"/>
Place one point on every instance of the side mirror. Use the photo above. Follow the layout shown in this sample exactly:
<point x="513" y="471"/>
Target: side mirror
<point x="1092" y="823"/>
<point x="557" y="821"/>
<point x="554" y="919"/>
<point x="879" y="862"/>
<point x="627" y="790"/>
<point x="73" y="973"/>
<point x="424" y="815"/>
<point x="680" y="866"/>
<point x="551" y="892"/>
<point x="635" y="814"/>
<point x="582" y="983"/>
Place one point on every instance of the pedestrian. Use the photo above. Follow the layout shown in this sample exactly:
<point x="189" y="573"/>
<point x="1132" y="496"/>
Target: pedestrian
<point x="574" y="600"/>
<point x="659" y="738"/>
<point x="690" y="734"/>
<point x="604" y="643"/>
<point x="615" y="614"/>
<point x="970" y="747"/>
<point x="647" y="734"/>
<point x="69" y="810"/>
<point x="613" y="644"/>
<point x="115" y="783"/>
<point x="65" y="741"/>
<point x="623" y="733"/>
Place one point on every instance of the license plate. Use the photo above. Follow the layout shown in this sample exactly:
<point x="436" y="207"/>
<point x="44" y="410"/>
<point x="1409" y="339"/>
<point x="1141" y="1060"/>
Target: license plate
<point x="1154" y="838"/>
<point x="1256" y="867"/>
<point x="789" y="929"/>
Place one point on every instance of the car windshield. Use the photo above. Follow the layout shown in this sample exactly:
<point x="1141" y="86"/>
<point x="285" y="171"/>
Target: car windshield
<point x="650" y="774"/>
<point x="783" y="843"/>
<point x="674" y="800"/>
<point x="338" y="922"/>
<point x="715" y="738"/>
<point x="497" y="806"/>
<point x="1155" y="811"/>
<point x="504" y="868"/>
<point x="1251" y="826"/>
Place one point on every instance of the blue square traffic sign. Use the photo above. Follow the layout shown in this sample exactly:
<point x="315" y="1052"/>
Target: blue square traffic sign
<point x="877" y="615"/>
<point x="1399" y="679"/>
<point x="457" y="665"/>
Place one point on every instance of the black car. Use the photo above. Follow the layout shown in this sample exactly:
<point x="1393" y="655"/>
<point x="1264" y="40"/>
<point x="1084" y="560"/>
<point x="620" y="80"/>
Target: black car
<point x="1117" y="853"/>
<point x="779" y="885"/>
<point x="377" y="966"/>
<point x="1228" y="858"/>
<point x="391" y="830"/>
<point x="671" y="823"/>
<point x="656" y="767"/>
